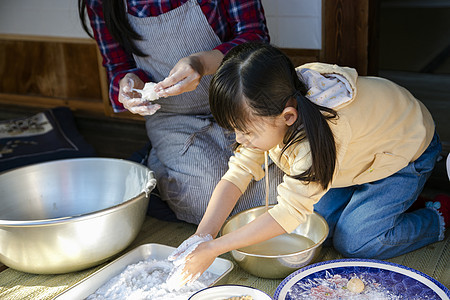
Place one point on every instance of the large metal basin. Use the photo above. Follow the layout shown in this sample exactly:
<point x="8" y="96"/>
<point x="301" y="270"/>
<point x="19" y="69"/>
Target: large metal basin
<point x="280" y="256"/>
<point x="68" y="215"/>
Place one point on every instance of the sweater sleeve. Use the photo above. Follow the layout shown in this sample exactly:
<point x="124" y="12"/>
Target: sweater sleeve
<point x="245" y="165"/>
<point x="296" y="198"/>
<point x="295" y="202"/>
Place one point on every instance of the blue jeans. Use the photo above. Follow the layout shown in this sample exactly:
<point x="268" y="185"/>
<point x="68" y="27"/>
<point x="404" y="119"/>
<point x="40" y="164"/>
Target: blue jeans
<point x="370" y="220"/>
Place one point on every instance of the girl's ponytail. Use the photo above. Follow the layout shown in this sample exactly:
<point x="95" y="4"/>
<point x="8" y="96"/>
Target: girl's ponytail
<point x="316" y="130"/>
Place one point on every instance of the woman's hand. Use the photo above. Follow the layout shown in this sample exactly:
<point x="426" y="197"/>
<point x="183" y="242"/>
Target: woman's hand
<point x="132" y="100"/>
<point x="187" y="73"/>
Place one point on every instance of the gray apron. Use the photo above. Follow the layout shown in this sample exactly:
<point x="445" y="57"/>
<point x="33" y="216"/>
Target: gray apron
<point x="190" y="152"/>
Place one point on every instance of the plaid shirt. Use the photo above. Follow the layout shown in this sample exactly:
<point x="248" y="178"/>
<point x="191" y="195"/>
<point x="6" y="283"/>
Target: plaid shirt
<point x="234" y="22"/>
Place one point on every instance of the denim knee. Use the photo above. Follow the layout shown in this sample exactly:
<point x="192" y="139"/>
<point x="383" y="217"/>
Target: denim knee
<point x="350" y="245"/>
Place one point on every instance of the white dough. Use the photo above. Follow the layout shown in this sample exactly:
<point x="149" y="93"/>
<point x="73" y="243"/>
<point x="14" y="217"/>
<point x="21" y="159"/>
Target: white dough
<point x="146" y="280"/>
<point x="355" y="285"/>
<point x="148" y="92"/>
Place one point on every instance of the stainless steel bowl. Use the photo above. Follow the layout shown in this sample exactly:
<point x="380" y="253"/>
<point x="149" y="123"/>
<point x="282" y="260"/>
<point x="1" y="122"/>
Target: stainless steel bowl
<point x="68" y="215"/>
<point x="282" y="255"/>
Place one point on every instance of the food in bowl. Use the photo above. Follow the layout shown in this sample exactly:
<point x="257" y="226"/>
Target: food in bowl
<point x="355" y="285"/>
<point x="336" y="287"/>
<point x="282" y="255"/>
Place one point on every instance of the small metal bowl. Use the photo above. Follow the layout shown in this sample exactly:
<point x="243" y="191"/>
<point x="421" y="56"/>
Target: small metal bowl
<point x="282" y="255"/>
<point x="68" y="215"/>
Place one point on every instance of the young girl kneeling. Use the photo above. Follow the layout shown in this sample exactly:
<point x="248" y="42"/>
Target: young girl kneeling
<point x="356" y="149"/>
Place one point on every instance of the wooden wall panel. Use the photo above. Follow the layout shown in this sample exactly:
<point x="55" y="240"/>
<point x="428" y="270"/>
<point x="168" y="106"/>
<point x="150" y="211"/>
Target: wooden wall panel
<point x="81" y="69"/>
<point x="49" y="69"/>
<point x="48" y="72"/>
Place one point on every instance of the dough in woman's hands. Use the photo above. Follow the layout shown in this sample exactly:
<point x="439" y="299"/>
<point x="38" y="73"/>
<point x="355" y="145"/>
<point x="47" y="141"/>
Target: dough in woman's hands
<point x="148" y="92"/>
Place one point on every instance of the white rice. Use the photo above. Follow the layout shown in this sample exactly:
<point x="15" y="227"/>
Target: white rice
<point x="147" y="280"/>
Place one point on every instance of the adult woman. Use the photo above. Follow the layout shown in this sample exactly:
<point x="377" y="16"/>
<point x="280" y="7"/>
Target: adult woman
<point x="145" y="41"/>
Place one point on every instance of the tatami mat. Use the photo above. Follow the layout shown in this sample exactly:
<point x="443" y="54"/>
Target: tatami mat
<point x="433" y="260"/>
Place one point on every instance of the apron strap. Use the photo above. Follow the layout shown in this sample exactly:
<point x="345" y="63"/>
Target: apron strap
<point x="190" y="140"/>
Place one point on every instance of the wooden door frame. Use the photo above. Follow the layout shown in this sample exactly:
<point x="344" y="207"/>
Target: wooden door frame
<point x="350" y="34"/>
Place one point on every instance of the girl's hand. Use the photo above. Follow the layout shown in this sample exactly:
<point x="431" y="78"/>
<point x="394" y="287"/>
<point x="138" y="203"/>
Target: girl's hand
<point x="187" y="73"/>
<point x="180" y="253"/>
<point x="193" y="265"/>
<point x="132" y="100"/>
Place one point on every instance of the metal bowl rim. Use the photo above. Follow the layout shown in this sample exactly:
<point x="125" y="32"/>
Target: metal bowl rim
<point x="71" y="219"/>
<point x="57" y="161"/>
<point x="74" y="218"/>
<point x="316" y="245"/>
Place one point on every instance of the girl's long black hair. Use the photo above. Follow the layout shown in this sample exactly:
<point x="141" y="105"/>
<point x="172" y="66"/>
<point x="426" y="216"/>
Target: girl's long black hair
<point x="115" y="16"/>
<point x="260" y="77"/>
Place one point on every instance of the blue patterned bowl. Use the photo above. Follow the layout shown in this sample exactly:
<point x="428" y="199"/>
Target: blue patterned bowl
<point x="383" y="280"/>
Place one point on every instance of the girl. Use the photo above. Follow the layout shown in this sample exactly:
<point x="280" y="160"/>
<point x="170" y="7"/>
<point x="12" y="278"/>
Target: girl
<point x="358" y="150"/>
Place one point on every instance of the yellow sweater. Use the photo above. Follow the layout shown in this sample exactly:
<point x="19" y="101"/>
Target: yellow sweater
<point x="378" y="131"/>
